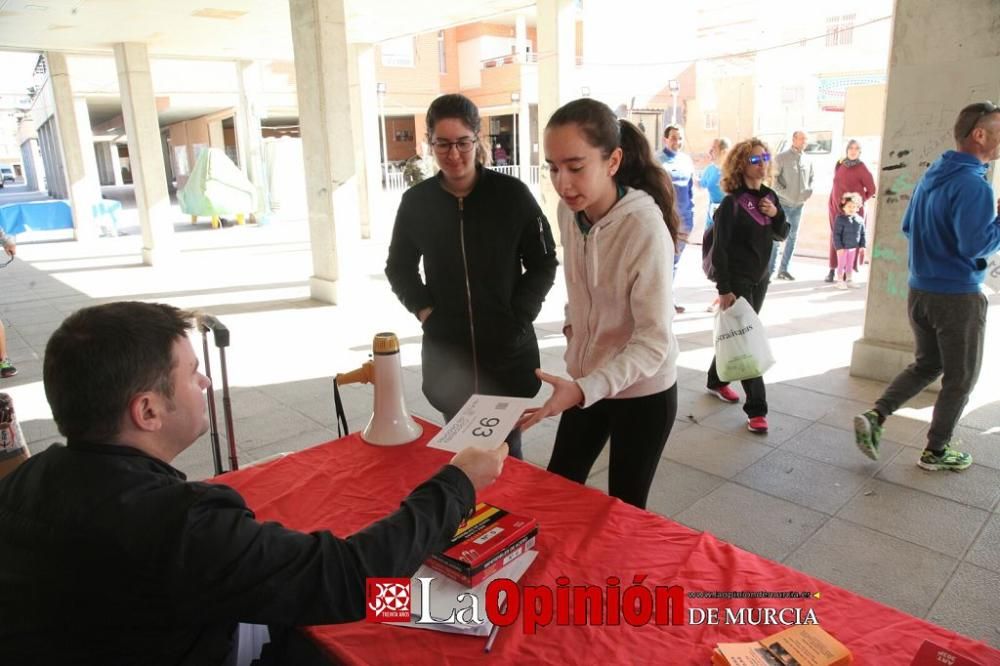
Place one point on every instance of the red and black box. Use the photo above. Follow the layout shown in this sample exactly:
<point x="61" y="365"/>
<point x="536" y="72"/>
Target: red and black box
<point x="484" y="543"/>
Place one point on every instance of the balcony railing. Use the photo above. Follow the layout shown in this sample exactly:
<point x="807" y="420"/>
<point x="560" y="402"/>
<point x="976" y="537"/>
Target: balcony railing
<point x="515" y="170"/>
<point x="509" y="59"/>
<point x="393" y="180"/>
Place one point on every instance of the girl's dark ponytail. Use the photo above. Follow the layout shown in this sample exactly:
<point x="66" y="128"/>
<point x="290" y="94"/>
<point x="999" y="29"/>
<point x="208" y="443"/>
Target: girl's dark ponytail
<point x="640" y="170"/>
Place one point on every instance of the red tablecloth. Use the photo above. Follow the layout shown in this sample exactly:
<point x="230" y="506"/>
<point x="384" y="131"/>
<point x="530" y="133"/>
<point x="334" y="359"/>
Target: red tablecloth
<point x="584" y="534"/>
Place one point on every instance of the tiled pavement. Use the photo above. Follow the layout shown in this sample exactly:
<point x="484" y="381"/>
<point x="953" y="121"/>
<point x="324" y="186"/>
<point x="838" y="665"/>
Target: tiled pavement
<point x="926" y="543"/>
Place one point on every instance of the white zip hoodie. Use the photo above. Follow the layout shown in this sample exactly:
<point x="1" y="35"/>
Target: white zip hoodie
<point x="619" y="284"/>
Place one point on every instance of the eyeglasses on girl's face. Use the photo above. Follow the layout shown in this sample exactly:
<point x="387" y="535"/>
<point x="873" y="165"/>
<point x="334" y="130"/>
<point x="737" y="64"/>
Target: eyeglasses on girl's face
<point x="763" y="158"/>
<point x="463" y="145"/>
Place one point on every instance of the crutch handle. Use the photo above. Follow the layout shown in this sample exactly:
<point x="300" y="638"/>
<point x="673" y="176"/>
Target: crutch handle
<point x="220" y="333"/>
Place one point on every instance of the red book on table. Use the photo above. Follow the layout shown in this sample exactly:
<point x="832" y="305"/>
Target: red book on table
<point x="484" y="543"/>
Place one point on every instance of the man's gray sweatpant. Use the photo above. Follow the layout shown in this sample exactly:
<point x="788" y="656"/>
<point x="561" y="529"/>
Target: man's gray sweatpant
<point x="949" y="331"/>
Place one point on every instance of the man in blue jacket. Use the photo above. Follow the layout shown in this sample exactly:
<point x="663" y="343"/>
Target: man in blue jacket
<point x="953" y="225"/>
<point x="681" y="170"/>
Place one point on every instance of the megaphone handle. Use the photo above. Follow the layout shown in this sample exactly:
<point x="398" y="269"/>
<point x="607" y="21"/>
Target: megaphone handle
<point x="338" y="406"/>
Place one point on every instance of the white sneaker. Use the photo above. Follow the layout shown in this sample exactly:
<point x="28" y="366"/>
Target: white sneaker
<point x="853" y="285"/>
<point x="842" y="285"/>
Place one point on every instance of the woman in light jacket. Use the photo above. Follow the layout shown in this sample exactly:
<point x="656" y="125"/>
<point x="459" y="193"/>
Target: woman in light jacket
<point x="618" y="229"/>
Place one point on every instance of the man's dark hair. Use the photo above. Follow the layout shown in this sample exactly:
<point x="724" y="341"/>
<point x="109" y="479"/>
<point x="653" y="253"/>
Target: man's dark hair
<point x="666" y="132"/>
<point x="101" y="356"/>
<point x="969" y="117"/>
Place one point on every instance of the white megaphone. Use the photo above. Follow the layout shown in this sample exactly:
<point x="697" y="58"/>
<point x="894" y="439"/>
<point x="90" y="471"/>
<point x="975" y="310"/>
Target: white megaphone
<point x="390" y="423"/>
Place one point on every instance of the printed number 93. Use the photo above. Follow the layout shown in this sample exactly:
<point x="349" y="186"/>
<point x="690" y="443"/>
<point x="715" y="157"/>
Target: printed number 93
<point x="485" y="427"/>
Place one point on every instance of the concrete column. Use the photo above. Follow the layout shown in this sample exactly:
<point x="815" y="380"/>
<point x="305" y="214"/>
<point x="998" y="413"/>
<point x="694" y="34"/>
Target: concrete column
<point x="319" y="39"/>
<point x="941" y="60"/>
<point x="524" y="134"/>
<point x="249" y="144"/>
<point x="103" y="155"/>
<point x="30" y="157"/>
<point x="145" y="152"/>
<point x="523" y="107"/>
<point x="556" y="26"/>
<point x="520" y="37"/>
<point x="364" y="128"/>
<point x="216" y="136"/>
<point x="116" y="164"/>
<point x="77" y="141"/>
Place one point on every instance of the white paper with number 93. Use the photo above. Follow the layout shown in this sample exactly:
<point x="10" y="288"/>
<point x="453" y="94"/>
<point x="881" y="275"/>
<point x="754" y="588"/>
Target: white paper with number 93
<point x="483" y="422"/>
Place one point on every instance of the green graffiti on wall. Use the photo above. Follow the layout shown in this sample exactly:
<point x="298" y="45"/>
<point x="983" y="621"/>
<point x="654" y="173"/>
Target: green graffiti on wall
<point x="896" y="284"/>
<point x="902" y="184"/>
<point x="887" y="253"/>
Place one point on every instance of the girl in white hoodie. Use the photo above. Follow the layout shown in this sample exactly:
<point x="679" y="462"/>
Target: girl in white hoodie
<point x="618" y="230"/>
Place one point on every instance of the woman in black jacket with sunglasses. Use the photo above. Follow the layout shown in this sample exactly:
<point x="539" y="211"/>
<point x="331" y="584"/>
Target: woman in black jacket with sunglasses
<point x="747" y="223"/>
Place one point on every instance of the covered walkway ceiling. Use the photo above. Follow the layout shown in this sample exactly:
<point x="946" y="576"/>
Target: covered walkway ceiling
<point x="230" y="29"/>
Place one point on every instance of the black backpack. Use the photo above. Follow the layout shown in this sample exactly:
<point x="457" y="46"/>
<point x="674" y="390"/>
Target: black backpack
<point x="708" y="239"/>
<point x="706" y="246"/>
<point x="706" y="253"/>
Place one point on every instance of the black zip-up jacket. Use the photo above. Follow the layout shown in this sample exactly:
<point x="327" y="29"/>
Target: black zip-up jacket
<point x="108" y="556"/>
<point x="742" y="247"/>
<point x="489" y="260"/>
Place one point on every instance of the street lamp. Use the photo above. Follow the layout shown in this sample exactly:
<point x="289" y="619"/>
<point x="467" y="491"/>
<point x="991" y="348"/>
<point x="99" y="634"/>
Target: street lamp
<point x="515" y="100"/>
<point x="674" y="86"/>
<point x="380" y="89"/>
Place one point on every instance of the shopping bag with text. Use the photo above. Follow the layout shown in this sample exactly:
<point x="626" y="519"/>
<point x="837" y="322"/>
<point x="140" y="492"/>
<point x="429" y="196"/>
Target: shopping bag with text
<point x="741" y="347"/>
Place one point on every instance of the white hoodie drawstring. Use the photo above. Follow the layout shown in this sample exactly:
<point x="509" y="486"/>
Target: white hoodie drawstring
<point x="593" y="234"/>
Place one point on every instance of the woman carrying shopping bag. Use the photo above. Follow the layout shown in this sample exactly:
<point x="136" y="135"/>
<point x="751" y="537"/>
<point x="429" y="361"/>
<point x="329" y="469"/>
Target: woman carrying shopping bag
<point x="747" y="223"/>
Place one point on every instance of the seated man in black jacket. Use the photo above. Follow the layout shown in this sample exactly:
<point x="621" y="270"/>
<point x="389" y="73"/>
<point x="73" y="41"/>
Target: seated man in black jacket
<point x="109" y="556"/>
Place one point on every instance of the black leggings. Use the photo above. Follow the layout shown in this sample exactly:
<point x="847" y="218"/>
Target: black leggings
<point x="638" y="428"/>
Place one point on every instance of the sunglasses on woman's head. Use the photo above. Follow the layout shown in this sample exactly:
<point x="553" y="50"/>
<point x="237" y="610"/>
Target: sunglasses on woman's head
<point x="759" y="159"/>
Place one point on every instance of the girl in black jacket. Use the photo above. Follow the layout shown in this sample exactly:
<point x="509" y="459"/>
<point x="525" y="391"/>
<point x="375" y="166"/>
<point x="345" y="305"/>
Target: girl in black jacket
<point x="489" y="260"/>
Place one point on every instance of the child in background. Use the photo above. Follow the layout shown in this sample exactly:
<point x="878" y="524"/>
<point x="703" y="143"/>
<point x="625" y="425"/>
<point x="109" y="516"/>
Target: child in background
<point x="848" y="236"/>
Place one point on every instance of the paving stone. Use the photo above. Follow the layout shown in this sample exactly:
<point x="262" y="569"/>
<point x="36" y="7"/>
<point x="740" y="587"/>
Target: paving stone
<point x="798" y="402"/>
<point x="881" y="567"/>
<point x="752" y="520"/>
<point x="934" y="522"/>
<point x="733" y="420"/>
<point x="977" y="486"/>
<point x="983" y="446"/>
<point x="801" y="480"/>
<point x="713" y="452"/>
<point x="694" y="405"/>
<point x="836" y="447"/>
<point x="970" y="604"/>
<point x="675" y="487"/>
<point x="985" y="552"/>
